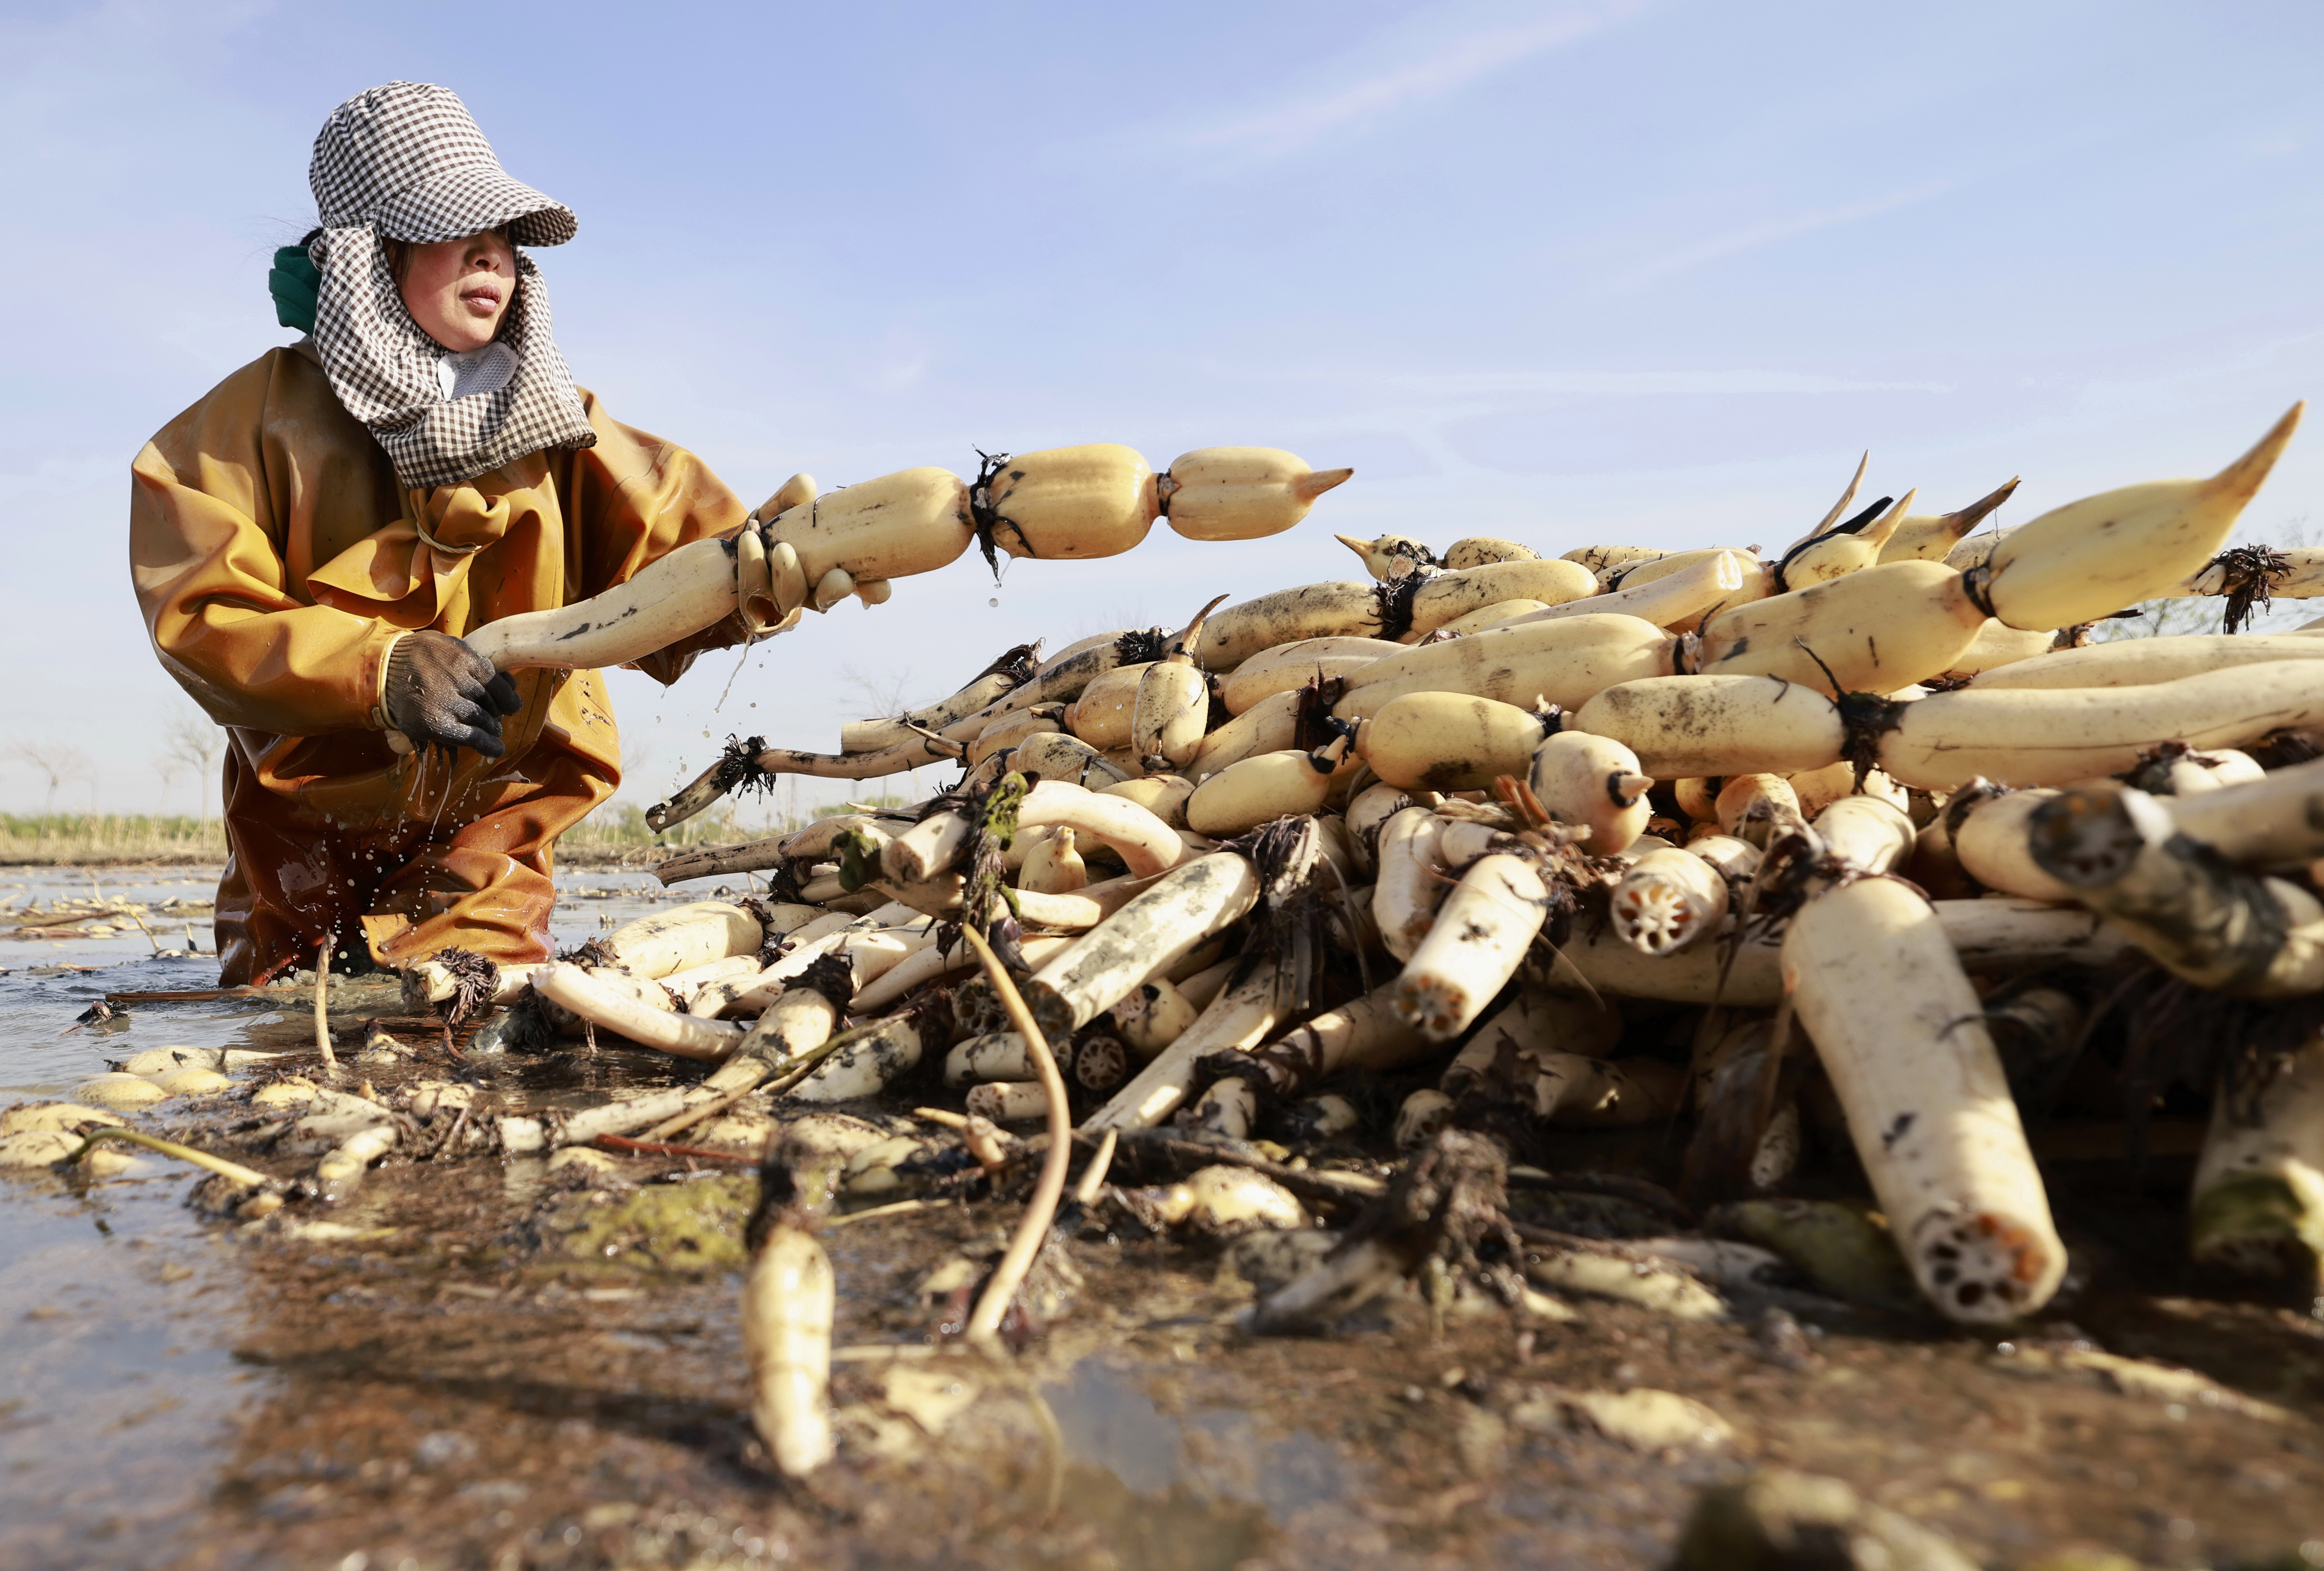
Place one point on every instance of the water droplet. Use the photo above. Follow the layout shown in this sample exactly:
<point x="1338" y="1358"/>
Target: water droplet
<point x="995" y="602"/>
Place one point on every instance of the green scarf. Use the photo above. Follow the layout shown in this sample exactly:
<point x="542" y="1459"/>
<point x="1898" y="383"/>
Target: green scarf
<point x="292" y="280"/>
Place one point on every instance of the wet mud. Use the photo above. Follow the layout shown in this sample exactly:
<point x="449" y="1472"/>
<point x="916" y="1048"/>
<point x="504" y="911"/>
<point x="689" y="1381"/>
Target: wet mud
<point x="485" y="1363"/>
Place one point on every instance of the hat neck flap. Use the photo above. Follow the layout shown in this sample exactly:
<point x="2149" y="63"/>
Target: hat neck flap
<point x="389" y="373"/>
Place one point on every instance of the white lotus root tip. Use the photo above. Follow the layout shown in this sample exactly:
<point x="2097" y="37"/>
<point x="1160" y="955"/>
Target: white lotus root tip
<point x="1980" y="1266"/>
<point x="1655" y="918"/>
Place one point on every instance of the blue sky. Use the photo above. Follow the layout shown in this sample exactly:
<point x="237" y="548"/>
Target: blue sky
<point x="1651" y="273"/>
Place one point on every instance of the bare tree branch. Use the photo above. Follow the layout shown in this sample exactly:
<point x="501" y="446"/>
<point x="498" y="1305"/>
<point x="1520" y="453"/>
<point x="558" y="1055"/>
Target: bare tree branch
<point x="56" y="762"/>
<point x="877" y="695"/>
<point x="197" y="742"/>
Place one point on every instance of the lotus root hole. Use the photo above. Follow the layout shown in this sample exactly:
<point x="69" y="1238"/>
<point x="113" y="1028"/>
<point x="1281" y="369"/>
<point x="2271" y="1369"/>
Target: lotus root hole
<point x="1656" y="919"/>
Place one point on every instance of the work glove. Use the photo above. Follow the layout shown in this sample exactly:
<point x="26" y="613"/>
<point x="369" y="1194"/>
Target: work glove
<point x="440" y="692"/>
<point x="774" y="589"/>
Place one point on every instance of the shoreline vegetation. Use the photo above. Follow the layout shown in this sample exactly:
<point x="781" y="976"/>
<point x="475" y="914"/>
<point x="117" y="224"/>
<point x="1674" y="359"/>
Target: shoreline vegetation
<point x="614" y="836"/>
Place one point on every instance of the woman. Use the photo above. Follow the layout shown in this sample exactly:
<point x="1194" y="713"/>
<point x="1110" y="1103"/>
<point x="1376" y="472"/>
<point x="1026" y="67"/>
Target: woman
<point x="311" y="539"/>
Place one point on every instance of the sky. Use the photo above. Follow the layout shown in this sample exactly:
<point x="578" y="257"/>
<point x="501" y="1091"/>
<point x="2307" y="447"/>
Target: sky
<point x="1620" y="271"/>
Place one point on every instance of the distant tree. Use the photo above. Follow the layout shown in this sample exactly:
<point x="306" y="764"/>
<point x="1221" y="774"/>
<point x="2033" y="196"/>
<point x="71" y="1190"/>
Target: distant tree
<point x="56" y="762"/>
<point x="167" y="767"/>
<point x="879" y="697"/>
<point x="637" y="757"/>
<point x="197" y="742"/>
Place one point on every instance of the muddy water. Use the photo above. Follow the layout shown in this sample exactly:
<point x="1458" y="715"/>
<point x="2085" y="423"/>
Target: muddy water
<point x="425" y="1383"/>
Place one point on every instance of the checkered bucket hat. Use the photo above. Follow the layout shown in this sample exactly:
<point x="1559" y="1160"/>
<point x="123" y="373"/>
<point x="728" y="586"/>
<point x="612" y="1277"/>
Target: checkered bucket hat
<point x="406" y="161"/>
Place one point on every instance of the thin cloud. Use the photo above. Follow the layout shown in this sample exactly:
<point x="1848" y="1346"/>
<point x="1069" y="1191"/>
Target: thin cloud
<point x="1741" y="381"/>
<point x="2183" y="386"/>
<point x="1767" y="232"/>
<point x="55" y="477"/>
<point x="1453" y="64"/>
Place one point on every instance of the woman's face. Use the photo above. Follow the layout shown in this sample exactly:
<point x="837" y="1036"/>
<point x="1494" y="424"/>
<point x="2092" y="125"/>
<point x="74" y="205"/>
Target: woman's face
<point x="458" y="291"/>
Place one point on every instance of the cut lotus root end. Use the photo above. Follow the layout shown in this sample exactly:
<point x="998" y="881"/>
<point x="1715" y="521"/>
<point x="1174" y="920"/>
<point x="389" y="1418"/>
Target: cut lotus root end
<point x="1980" y="1268"/>
<point x="1101" y="1065"/>
<point x="1431" y="1006"/>
<point x="1656" y="919"/>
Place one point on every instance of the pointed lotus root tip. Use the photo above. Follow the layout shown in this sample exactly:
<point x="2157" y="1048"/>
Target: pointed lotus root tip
<point x="1877" y="534"/>
<point x="1194" y="633"/>
<point x="2244" y="478"/>
<point x="1314" y="483"/>
<point x="1846" y="498"/>
<point x="1959" y="523"/>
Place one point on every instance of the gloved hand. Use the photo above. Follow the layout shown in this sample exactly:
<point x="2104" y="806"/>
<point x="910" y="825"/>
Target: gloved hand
<point x="440" y="692"/>
<point x="774" y="588"/>
<point x="770" y="589"/>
